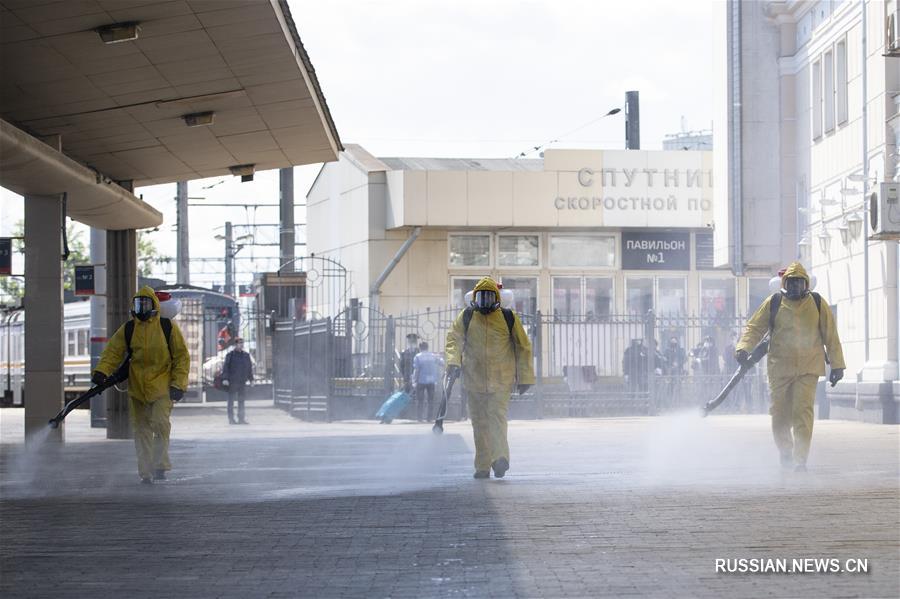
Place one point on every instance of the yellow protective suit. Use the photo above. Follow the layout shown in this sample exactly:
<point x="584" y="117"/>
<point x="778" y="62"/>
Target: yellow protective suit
<point x="795" y="361"/>
<point x="152" y="371"/>
<point x="491" y="368"/>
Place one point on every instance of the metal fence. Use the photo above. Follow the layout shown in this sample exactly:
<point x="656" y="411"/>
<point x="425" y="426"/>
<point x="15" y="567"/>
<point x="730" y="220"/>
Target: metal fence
<point x="629" y="364"/>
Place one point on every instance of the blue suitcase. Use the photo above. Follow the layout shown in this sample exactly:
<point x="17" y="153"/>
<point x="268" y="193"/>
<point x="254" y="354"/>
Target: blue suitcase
<point x="391" y="408"/>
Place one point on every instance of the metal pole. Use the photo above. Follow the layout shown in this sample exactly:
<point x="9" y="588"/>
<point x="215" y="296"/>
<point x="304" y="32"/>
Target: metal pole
<point x="632" y="121"/>
<point x="286" y="240"/>
<point x="538" y="345"/>
<point x="183" y="257"/>
<point x="229" y="260"/>
<point x="865" y="150"/>
<point x="98" y="319"/>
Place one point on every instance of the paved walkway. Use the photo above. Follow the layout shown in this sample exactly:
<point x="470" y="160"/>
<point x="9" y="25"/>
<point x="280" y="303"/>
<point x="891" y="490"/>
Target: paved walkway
<point x="282" y="508"/>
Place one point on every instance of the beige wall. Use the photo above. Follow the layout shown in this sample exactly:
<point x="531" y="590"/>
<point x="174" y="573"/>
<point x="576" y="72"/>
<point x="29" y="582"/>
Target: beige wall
<point x="604" y="196"/>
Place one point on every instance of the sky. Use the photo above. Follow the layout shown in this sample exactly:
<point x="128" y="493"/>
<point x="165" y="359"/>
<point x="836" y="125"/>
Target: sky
<point x="463" y="79"/>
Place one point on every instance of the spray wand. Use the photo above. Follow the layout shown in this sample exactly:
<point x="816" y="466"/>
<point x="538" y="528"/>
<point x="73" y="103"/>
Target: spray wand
<point x="446" y="390"/>
<point x="121" y="374"/>
<point x="758" y="353"/>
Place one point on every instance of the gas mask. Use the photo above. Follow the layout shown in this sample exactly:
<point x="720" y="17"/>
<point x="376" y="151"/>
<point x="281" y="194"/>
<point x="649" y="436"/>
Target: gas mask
<point x="142" y="308"/>
<point x="485" y="301"/>
<point x="795" y="288"/>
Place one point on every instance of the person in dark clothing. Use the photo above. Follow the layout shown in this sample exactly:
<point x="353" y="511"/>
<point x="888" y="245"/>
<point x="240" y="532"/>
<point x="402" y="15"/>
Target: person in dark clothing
<point x="406" y="361"/>
<point x="236" y="374"/>
<point x="634" y="366"/>
<point x="675" y="358"/>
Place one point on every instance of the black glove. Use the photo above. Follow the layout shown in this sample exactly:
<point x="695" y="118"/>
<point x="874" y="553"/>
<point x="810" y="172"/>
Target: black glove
<point x="453" y="371"/>
<point x="836" y="375"/>
<point x="175" y="393"/>
<point x="98" y="378"/>
<point x="741" y="357"/>
<point x="523" y="389"/>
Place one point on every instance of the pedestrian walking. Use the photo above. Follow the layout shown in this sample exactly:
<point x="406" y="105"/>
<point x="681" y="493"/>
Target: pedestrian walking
<point x="157" y="377"/>
<point x="801" y="327"/>
<point x="406" y="361"/>
<point x="489" y="346"/>
<point x="237" y="373"/>
<point x="427" y="368"/>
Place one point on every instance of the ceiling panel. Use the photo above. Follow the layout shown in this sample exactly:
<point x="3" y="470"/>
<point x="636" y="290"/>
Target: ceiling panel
<point x="119" y="106"/>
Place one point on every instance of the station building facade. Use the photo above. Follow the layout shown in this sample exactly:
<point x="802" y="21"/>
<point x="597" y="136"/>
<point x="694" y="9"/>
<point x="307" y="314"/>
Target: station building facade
<point x="579" y="233"/>
<point x="807" y="125"/>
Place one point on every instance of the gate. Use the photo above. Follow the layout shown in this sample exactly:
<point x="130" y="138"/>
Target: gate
<point x="307" y="356"/>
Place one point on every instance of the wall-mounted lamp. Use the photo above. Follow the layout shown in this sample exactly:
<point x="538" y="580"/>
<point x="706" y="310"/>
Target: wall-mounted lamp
<point x="824" y="241"/>
<point x="844" y="230"/>
<point x="119" y="32"/>
<point x="854" y="223"/>
<point x="803" y="249"/>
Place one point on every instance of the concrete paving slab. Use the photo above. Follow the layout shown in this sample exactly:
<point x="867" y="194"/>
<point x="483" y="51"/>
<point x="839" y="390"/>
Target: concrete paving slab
<point x="591" y="507"/>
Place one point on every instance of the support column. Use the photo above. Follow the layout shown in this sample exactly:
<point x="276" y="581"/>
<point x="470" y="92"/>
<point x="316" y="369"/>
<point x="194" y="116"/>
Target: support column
<point x="98" y="318"/>
<point x="229" y="260"/>
<point x="121" y="286"/>
<point x="286" y="180"/>
<point x="44" y="222"/>
<point x="182" y="248"/>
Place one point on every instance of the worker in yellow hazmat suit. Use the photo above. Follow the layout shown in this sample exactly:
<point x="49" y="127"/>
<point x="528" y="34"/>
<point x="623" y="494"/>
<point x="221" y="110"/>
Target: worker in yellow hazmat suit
<point x="157" y="376"/>
<point x="802" y="325"/>
<point x="491" y="347"/>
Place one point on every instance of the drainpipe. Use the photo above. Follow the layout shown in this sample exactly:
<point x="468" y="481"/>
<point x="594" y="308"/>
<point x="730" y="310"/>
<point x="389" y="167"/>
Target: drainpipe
<point x="375" y="291"/>
<point x="865" y="172"/>
<point x="737" y="217"/>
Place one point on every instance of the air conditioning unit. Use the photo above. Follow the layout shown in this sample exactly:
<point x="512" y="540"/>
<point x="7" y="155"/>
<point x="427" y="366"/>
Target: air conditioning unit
<point x="884" y="212"/>
<point x="892" y="35"/>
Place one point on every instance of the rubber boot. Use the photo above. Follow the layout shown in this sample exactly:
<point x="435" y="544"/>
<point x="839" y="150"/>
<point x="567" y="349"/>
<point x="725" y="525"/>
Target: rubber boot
<point x="482" y="474"/>
<point x="500" y="466"/>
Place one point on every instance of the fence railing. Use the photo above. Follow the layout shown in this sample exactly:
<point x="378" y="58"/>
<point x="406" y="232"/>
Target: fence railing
<point x="628" y="364"/>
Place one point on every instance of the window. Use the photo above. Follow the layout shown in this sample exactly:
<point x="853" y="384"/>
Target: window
<point x="70" y="343"/>
<point x="840" y="78"/>
<point x="758" y="291"/>
<point x="817" y="99"/>
<point x="470" y="250"/>
<point x="525" y="295"/>
<point x="83" y="347"/>
<point x="717" y="298"/>
<point x="583" y="251"/>
<point x="566" y="296"/>
<point x="459" y="287"/>
<point x="598" y="296"/>
<point x="672" y="295"/>
<point x="518" y="250"/>
<point x="828" y="67"/>
<point x="638" y="294"/>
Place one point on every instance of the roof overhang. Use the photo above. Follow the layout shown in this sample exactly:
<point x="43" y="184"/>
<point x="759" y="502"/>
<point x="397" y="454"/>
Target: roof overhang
<point x="29" y="166"/>
<point x="119" y="108"/>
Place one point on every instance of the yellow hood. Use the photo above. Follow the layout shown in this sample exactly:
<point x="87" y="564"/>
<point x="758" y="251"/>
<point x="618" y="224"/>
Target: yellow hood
<point x="795" y="269"/>
<point x="147" y="291"/>
<point x="487" y="284"/>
